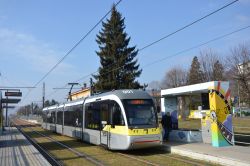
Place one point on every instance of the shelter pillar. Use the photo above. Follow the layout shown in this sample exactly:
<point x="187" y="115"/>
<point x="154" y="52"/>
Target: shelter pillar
<point x="220" y="114"/>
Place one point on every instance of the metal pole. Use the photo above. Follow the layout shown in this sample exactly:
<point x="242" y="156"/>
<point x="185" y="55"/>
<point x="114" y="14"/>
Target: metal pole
<point x="239" y="96"/>
<point x="43" y="94"/>
<point x="6" y="112"/>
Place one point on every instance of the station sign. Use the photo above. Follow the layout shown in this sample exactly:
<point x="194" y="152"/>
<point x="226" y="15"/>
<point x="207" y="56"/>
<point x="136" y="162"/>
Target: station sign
<point x="14" y="101"/>
<point x="11" y="107"/>
<point x="17" y="94"/>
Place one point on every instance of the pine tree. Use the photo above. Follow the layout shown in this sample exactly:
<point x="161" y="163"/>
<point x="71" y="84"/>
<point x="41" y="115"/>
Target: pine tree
<point x="218" y="71"/>
<point x="119" y="68"/>
<point x="195" y="73"/>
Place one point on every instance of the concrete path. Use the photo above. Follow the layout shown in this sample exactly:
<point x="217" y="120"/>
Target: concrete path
<point x="231" y="155"/>
<point x="16" y="150"/>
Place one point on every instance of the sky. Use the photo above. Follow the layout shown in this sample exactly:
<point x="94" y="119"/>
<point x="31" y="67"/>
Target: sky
<point x="35" y="35"/>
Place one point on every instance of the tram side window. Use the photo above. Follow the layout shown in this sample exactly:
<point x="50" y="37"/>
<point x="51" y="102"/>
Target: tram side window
<point x="53" y="116"/>
<point x="117" y="117"/>
<point x="92" y="116"/>
<point x="73" y="116"/>
<point x="67" y="116"/>
<point x="50" y="116"/>
<point x="104" y="110"/>
<point x="60" y="116"/>
<point x="44" y="116"/>
<point x="78" y="112"/>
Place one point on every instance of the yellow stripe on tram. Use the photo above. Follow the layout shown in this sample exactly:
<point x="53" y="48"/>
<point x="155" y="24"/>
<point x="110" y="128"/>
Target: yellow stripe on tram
<point x="124" y="130"/>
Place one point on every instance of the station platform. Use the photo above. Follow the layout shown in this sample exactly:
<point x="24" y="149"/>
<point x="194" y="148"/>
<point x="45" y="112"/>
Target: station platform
<point x="16" y="150"/>
<point x="230" y="156"/>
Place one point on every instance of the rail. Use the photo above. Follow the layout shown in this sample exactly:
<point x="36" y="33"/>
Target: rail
<point x="49" y="157"/>
<point x="242" y="135"/>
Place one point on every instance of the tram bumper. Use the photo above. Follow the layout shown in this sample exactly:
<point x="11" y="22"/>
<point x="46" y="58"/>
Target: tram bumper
<point x="138" y="142"/>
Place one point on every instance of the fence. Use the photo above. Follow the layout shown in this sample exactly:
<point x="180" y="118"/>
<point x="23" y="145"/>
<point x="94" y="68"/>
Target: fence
<point x="242" y="138"/>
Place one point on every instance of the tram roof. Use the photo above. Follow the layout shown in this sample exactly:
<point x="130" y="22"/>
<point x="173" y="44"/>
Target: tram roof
<point x="125" y="94"/>
<point x="122" y="94"/>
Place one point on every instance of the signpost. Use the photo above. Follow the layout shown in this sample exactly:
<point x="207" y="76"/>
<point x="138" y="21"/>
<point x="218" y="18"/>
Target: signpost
<point x="8" y="100"/>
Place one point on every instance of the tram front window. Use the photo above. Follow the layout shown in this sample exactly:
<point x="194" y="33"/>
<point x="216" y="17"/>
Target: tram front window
<point x="140" y="112"/>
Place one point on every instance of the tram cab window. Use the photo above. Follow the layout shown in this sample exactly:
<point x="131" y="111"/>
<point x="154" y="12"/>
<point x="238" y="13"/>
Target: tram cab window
<point x="140" y="112"/>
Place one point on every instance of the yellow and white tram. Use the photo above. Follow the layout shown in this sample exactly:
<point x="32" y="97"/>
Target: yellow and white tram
<point x="119" y="120"/>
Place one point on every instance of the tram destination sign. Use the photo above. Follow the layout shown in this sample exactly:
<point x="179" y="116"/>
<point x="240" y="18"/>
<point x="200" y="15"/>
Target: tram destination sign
<point x="17" y="94"/>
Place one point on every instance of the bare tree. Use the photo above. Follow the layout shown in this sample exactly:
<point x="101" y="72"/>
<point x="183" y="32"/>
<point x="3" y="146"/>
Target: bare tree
<point x="175" y="77"/>
<point x="239" y="68"/>
<point x="211" y="66"/>
<point x="154" y="85"/>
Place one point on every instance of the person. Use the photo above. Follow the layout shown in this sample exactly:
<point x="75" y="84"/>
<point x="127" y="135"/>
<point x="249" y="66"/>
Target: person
<point x="166" y="124"/>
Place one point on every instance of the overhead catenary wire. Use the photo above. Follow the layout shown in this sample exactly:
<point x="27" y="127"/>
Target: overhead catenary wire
<point x="168" y="35"/>
<point x="70" y="50"/>
<point x="188" y="25"/>
<point x="73" y="48"/>
<point x="192" y="48"/>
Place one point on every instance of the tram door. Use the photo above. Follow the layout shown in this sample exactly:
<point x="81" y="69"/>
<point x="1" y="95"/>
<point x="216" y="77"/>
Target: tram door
<point x="105" y="127"/>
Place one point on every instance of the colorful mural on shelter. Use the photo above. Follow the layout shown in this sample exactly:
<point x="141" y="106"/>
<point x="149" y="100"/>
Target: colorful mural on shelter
<point x="220" y="114"/>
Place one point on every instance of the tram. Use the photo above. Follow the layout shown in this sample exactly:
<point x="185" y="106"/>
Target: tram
<point x="118" y="120"/>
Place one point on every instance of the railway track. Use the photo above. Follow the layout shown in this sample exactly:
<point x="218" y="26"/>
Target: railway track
<point x="51" y="158"/>
<point x="96" y="155"/>
<point x="80" y="154"/>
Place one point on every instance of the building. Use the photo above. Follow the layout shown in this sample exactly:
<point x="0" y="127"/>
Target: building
<point x="84" y="92"/>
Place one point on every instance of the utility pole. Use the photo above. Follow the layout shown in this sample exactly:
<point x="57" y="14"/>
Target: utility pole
<point x="43" y="94"/>
<point x="91" y="87"/>
<point x="72" y="84"/>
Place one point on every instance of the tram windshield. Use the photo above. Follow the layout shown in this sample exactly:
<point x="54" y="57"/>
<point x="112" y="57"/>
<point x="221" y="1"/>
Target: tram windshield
<point x="140" y="112"/>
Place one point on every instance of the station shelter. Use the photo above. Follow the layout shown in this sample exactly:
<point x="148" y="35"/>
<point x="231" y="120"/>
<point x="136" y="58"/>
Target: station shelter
<point x="209" y="102"/>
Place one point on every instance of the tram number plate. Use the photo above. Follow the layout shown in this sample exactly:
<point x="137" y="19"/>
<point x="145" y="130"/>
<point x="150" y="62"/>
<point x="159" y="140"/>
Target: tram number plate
<point x="104" y="133"/>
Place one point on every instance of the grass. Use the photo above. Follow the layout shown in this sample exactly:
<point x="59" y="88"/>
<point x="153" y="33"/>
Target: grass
<point x="62" y="154"/>
<point x="155" y="155"/>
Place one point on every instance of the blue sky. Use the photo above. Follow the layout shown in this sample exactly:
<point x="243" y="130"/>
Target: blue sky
<point x="34" y="35"/>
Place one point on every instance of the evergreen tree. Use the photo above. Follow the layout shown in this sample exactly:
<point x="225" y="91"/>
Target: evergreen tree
<point x="218" y="71"/>
<point x="195" y="73"/>
<point x="119" y="68"/>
